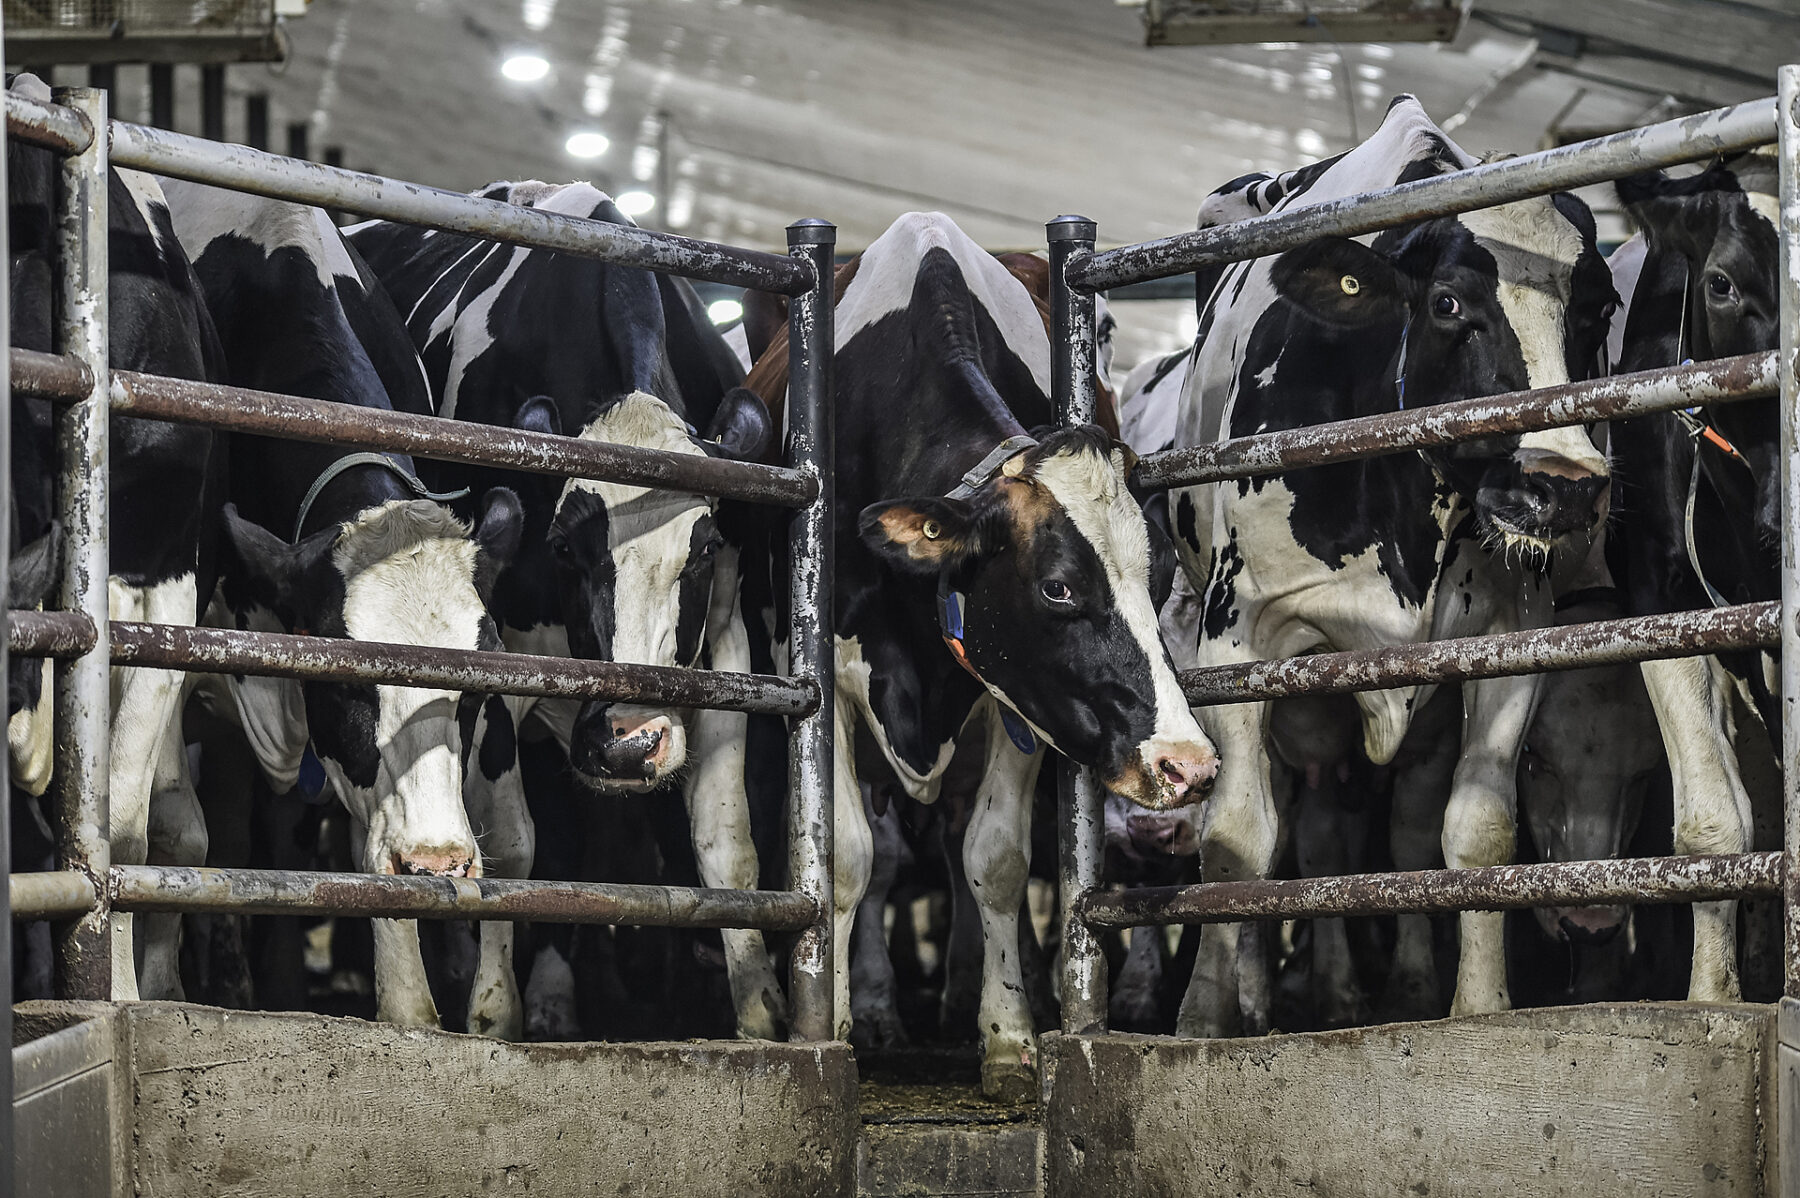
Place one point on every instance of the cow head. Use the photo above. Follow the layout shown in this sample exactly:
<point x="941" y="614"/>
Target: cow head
<point x="31" y="580"/>
<point x="409" y="573"/>
<point x="635" y="569"/>
<point x="1051" y="560"/>
<point x="1499" y="300"/>
<point x="1592" y="753"/>
<point x="1722" y="225"/>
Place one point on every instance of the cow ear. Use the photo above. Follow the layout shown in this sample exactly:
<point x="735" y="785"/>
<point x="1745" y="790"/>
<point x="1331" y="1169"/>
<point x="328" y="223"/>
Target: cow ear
<point x="497" y="535"/>
<point x="1341" y="282"/>
<point x="32" y="573"/>
<point x="920" y="536"/>
<point x="765" y="315"/>
<point x="539" y="414"/>
<point x="1665" y="209"/>
<point x="271" y="571"/>
<point x="1163" y="562"/>
<point x="741" y="429"/>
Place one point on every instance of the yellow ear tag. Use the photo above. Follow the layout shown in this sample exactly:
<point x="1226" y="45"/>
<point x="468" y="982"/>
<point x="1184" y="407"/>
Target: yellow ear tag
<point x="1350" y="284"/>
<point x="932" y="530"/>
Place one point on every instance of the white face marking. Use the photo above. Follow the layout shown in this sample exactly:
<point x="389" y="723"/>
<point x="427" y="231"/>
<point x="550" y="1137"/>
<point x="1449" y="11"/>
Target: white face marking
<point x="884" y="283"/>
<point x="1092" y="491"/>
<point x="409" y="570"/>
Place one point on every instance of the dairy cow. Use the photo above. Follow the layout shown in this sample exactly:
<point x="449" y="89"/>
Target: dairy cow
<point x="526" y="338"/>
<point x="158" y="519"/>
<point x="351" y="545"/>
<point x="1700" y="505"/>
<point x="1397" y="549"/>
<point x="992" y="594"/>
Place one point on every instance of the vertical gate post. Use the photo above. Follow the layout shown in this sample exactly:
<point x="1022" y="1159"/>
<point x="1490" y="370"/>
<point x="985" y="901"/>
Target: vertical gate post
<point x="1079" y="794"/>
<point x="813" y="653"/>
<point x="1787" y="122"/>
<point x="83" y="701"/>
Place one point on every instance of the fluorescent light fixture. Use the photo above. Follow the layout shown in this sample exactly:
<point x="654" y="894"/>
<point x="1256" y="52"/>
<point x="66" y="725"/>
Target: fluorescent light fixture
<point x="525" y="68"/>
<point x="724" y="311"/>
<point x="586" y="145"/>
<point x="635" y="203"/>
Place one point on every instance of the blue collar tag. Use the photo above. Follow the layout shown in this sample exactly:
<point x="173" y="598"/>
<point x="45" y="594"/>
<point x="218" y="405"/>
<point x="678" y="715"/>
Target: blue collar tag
<point x="953" y="616"/>
<point x="312" y="775"/>
<point x="1018" y="731"/>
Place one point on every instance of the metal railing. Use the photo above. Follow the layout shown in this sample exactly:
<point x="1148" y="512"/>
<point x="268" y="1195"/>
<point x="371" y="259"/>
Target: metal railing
<point x="81" y="895"/>
<point x="1078" y="272"/>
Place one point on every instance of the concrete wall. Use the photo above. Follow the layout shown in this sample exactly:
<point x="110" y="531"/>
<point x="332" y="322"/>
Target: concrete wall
<point x="251" y="1103"/>
<point x="1641" y="1099"/>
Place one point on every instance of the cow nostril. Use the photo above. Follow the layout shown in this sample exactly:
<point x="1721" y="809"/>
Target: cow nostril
<point x="1172" y="772"/>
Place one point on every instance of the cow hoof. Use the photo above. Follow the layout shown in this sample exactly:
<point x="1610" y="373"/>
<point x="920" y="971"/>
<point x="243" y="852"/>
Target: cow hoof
<point x="877" y="1031"/>
<point x="765" y="1019"/>
<point x="1009" y="1082"/>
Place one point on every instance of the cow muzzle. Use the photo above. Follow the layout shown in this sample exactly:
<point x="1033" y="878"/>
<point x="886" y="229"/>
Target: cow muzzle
<point x="437" y="861"/>
<point x="1163" y="833"/>
<point x="1537" y="500"/>
<point x="1586" y="927"/>
<point x="1165" y="777"/>
<point x="626" y="748"/>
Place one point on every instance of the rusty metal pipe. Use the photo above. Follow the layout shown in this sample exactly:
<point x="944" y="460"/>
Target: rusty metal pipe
<point x="1788" y="118"/>
<point x="1434" y="891"/>
<point x="51" y="126"/>
<point x="238" y="410"/>
<point x="1684" y="139"/>
<point x="1570" y="647"/>
<point x="58" y="894"/>
<point x="60" y="378"/>
<point x="1727" y="380"/>
<point x="329" y="659"/>
<point x="258" y="172"/>
<point x="49" y="633"/>
<point x="191" y="890"/>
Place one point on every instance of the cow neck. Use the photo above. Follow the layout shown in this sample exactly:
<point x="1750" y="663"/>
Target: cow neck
<point x="950" y="602"/>
<point x="351" y="461"/>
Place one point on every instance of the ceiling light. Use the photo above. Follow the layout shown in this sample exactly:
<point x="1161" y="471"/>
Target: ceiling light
<point x="724" y="311"/>
<point x="586" y="145"/>
<point x="525" y="68"/>
<point x="635" y="203"/>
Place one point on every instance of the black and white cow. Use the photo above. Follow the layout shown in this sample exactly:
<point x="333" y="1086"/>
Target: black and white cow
<point x="527" y="338"/>
<point x="1399" y="549"/>
<point x="992" y="592"/>
<point x="348" y="545"/>
<point x="159" y="472"/>
<point x="1700" y="506"/>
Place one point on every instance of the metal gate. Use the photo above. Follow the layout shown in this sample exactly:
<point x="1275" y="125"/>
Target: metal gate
<point x="81" y="896"/>
<point x="1079" y="272"/>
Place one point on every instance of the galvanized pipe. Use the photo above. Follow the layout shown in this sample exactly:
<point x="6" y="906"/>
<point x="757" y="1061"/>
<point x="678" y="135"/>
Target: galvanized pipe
<point x="83" y="697"/>
<point x="1535" y="651"/>
<point x="238" y="410"/>
<point x="1727" y="380"/>
<point x="813" y="651"/>
<point x="1788" y="125"/>
<point x="1081" y="841"/>
<point x="191" y="890"/>
<point x="58" y="894"/>
<point x="260" y="173"/>
<point x="52" y="126"/>
<point x="49" y="633"/>
<point x="1435" y="891"/>
<point x="329" y="659"/>
<point x="1684" y="139"/>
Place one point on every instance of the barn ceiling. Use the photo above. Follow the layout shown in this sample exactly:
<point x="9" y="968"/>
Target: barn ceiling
<point x="1001" y="113"/>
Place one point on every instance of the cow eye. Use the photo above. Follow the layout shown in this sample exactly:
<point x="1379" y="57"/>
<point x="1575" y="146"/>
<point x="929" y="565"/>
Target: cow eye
<point x="1445" y="304"/>
<point x="1720" y="287"/>
<point x="559" y="546"/>
<point x="1057" y="591"/>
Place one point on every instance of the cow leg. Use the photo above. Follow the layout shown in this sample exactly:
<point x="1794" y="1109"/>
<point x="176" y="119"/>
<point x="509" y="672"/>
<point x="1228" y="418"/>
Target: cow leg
<point x="176" y="835"/>
<point x="959" y="1006"/>
<point x="495" y="794"/>
<point x="1239" y="842"/>
<point x="875" y="1010"/>
<point x="144" y="704"/>
<point x="1422" y="778"/>
<point x="719" y="816"/>
<point x="1480" y="827"/>
<point x="997" y="860"/>
<point x="1131" y="1005"/>
<point x="1712" y="808"/>
<point x="1322" y="845"/>
<point x="853" y="856"/>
